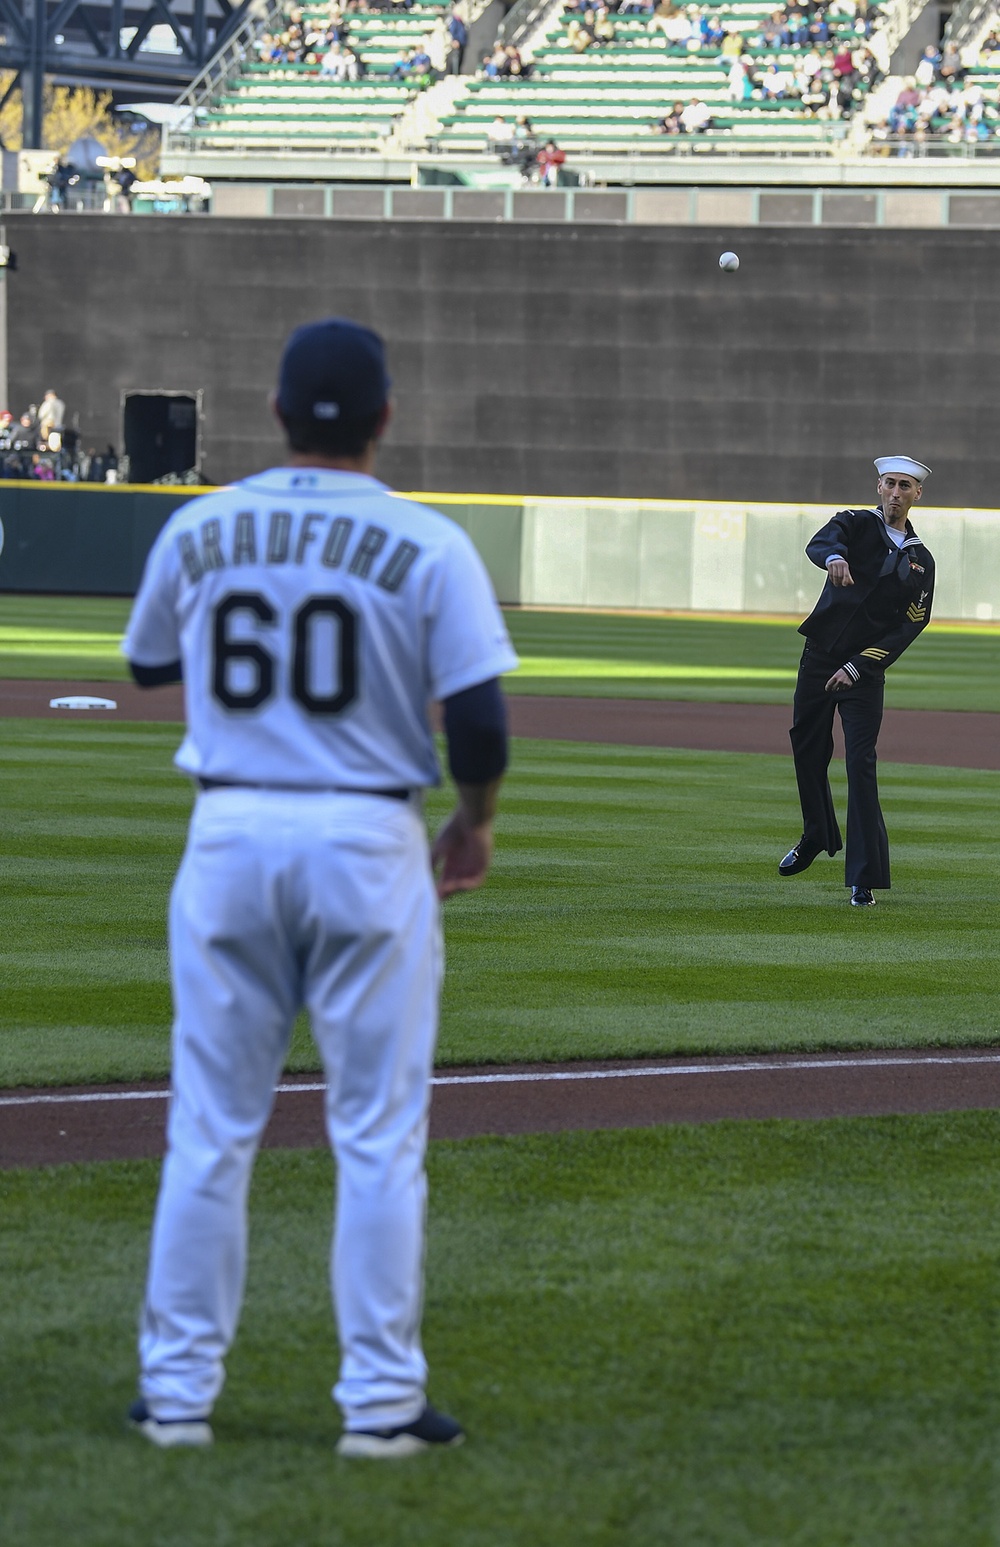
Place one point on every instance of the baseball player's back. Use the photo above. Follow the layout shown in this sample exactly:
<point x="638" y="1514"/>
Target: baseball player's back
<point x="313" y="616"/>
<point x="316" y="614"/>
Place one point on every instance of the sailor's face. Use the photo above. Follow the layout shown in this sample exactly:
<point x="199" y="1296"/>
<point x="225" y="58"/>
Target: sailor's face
<point x="898" y="492"/>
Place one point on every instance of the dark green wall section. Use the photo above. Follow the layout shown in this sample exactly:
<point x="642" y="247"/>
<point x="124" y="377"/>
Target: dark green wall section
<point x="90" y="541"/>
<point x="94" y="541"/>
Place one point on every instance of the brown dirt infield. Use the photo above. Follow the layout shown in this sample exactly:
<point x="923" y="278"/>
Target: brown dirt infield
<point x="946" y="738"/>
<point x="57" y="1126"/>
<point x="118" y="1123"/>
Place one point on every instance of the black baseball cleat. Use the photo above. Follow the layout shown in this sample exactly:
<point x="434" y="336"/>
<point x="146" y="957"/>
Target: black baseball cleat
<point x="862" y="897"/>
<point x="168" y="1432"/>
<point x="797" y="859"/>
<point x="424" y="1433"/>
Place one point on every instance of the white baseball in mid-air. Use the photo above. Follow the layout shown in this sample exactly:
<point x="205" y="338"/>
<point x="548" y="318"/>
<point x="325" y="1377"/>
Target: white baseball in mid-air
<point x="729" y="262"/>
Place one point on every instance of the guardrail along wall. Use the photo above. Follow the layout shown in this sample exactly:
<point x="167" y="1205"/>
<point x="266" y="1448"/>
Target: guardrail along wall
<point x="681" y="556"/>
<point x="613" y="361"/>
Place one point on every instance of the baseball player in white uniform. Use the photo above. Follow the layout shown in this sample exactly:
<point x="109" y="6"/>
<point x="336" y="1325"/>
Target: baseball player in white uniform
<point x="313" y="616"/>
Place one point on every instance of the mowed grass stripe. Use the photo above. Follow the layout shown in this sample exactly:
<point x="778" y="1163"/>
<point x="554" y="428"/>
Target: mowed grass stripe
<point x="725" y="1335"/>
<point x="634" y="908"/>
<point x="588" y="654"/>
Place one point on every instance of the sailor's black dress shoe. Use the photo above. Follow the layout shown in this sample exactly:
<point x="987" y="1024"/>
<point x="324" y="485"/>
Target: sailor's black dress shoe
<point x="796" y="860"/>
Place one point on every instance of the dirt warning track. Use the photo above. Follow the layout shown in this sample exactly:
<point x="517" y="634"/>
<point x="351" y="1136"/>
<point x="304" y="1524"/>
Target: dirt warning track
<point x="50" y="1127"/>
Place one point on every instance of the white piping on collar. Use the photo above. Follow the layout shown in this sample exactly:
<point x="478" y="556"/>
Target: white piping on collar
<point x="908" y="542"/>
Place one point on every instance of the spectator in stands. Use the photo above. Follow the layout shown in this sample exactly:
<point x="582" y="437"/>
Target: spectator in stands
<point x="635" y="7"/>
<point x="797" y="29"/>
<point x="843" y="61"/>
<point x="550" y="158"/>
<point x="604" y="28"/>
<point x="331" y="66"/>
<point x="672" y="122"/>
<point x="662" y="12"/>
<point x="421" y="68"/>
<point x="811" y="64"/>
<point x="524" y="150"/>
<point x="402" y="65"/>
<point x="496" y="65"/>
<point x="819" y="28"/>
<point x="459" y="33"/>
<point x="903" y="113"/>
<point x="500" y="138"/>
<point x="739" y="86"/>
<point x="42" y="468"/>
<point x="453" y="64"/>
<point x="770" y="30"/>
<point x="733" y="45"/>
<point x="969" y="110"/>
<point x="713" y="33"/>
<point x="580" y="34"/>
<point x="517" y="70"/>
<point x="674" y="27"/>
<point x="696" y="117"/>
<point x="927" y="69"/>
<point x="950" y="68"/>
<point x="774" y="84"/>
<point x="52" y="413"/>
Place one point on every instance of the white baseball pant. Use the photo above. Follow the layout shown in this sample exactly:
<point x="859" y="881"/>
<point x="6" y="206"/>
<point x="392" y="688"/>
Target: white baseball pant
<point x="283" y="900"/>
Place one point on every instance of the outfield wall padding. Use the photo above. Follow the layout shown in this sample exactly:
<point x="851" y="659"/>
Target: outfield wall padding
<point x="90" y="541"/>
<point x="681" y="556"/>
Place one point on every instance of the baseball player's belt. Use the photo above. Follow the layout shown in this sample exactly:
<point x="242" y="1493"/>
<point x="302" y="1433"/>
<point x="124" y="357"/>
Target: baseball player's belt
<point x="301" y="789"/>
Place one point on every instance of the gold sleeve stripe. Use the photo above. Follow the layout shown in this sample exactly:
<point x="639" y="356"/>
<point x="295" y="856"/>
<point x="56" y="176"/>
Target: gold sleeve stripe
<point x="874" y="654"/>
<point x="916" y="614"/>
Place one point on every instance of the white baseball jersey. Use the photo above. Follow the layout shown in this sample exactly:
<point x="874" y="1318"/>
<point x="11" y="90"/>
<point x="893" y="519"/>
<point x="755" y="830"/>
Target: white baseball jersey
<point x="316" y="615"/>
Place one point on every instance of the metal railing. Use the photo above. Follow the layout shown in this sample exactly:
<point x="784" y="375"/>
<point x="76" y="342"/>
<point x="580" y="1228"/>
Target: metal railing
<point x="264" y="16"/>
<point x="524" y="17"/>
<point x="970" y="21"/>
<point x="897" y="21"/>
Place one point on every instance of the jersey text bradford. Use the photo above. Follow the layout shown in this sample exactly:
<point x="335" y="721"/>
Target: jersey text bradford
<point x="284" y="537"/>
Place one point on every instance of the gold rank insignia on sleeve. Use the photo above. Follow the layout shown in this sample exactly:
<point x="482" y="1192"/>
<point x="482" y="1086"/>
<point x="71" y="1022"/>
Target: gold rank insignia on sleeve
<point x="874" y="653"/>
<point x="916" y="614"/>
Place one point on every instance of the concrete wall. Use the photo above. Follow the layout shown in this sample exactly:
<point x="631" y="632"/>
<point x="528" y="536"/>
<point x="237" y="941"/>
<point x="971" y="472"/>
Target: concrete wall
<point x="605" y="361"/>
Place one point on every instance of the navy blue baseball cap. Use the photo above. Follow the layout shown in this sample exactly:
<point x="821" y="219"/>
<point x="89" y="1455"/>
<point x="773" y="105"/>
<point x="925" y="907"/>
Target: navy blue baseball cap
<point x="332" y="370"/>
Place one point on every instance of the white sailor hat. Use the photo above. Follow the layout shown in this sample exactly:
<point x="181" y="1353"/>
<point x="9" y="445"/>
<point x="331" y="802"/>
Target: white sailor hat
<point x="907" y="465"/>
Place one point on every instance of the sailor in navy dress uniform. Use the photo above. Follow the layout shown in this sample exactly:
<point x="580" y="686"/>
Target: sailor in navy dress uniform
<point x="877" y="599"/>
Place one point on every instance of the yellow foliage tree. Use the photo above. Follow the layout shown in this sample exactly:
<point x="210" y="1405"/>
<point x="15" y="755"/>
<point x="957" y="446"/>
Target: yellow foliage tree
<point x="74" y="112"/>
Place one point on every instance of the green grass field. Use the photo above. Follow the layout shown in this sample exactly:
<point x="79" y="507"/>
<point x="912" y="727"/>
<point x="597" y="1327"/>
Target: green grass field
<point x="634" y="907"/>
<point x="727" y="1336"/>
<point x="736" y="660"/>
<point x="738" y="1335"/>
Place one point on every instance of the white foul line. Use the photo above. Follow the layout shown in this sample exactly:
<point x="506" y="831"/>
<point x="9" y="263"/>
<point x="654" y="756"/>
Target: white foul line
<point x="539" y="1077"/>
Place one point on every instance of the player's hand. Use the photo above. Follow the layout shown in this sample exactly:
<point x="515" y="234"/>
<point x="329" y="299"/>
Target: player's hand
<point x="840" y="572"/>
<point x="840" y="679"/>
<point x="461" y="853"/>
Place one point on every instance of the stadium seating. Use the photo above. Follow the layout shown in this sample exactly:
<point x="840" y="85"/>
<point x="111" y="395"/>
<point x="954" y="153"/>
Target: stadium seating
<point x="606" y="99"/>
<point x="610" y="97"/>
<point x="274" y="104"/>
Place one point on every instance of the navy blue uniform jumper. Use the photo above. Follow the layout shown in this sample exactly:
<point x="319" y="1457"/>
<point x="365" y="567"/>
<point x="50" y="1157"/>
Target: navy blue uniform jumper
<point x="860" y="629"/>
